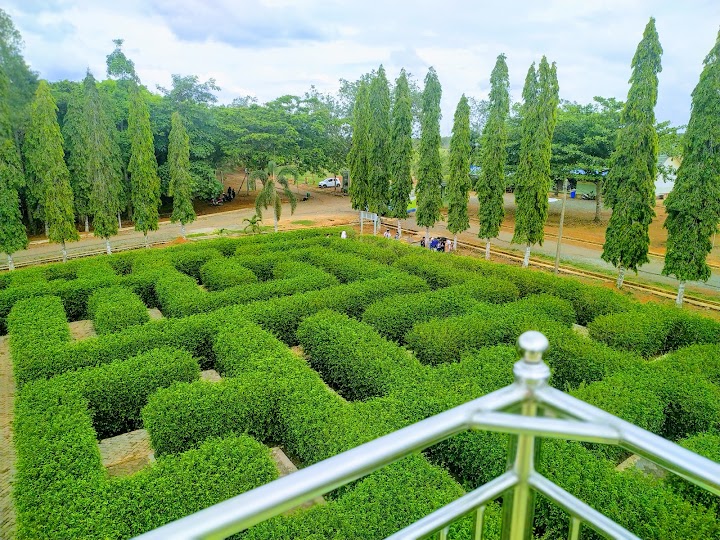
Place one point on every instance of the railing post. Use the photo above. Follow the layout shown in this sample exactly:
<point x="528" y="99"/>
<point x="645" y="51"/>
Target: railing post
<point x="519" y="504"/>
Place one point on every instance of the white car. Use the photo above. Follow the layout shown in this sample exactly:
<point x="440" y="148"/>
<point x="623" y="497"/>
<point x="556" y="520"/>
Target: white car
<point x="329" y="182"/>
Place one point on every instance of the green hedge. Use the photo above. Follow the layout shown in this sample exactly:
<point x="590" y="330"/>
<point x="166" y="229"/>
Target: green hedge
<point x="219" y="274"/>
<point x="708" y="445"/>
<point x="346" y="267"/>
<point x="446" y="340"/>
<point x="189" y="261"/>
<point x="116" y="308"/>
<point x="393" y="317"/>
<point x="353" y="358"/>
<point x="433" y="268"/>
<point x="652" y="329"/>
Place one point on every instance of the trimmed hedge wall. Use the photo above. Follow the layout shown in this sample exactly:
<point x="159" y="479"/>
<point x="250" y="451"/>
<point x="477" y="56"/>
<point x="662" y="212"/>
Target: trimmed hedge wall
<point x="432" y="268"/>
<point x="116" y="308"/>
<point x="219" y="274"/>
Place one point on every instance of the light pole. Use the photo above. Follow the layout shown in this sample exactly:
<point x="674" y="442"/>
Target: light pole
<point x="562" y="219"/>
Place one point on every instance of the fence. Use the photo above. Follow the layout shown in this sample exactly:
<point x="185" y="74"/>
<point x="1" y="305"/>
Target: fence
<point x="563" y="417"/>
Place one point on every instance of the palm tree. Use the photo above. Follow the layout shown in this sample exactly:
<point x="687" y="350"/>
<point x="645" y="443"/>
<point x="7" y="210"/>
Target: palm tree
<point x="268" y="195"/>
<point x="253" y="224"/>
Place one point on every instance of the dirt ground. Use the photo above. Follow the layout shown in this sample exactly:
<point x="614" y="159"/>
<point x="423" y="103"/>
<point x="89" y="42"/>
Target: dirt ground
<point x="7" y="450"/>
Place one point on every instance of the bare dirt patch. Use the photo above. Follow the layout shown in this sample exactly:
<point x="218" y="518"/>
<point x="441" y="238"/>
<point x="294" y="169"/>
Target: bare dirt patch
<point x="155" y="314"/>
<point x="82" y="330"/>
<point x="7" y="450"/>
<point x="210" y="375"/>
<point x="126" y="454"/>
<point x="285" y="466"/>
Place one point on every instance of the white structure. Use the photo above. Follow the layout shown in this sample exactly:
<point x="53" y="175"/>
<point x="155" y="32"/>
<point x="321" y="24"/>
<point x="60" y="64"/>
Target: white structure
<point x="667" y="168"/>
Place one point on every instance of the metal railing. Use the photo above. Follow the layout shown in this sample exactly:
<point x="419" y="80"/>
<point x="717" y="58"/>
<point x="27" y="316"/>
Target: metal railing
<point x="565" y="418"/>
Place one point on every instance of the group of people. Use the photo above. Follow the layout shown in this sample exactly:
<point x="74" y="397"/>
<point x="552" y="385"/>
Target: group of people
<point x="228" y="196"/>
<point x="388" y="234"/>
<point x="438" y="244"/>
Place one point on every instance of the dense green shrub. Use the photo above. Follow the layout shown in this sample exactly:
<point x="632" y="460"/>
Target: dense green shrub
<point x="116" y="308"/>
<point x="346" y="267"/>
<point x="433" y="268"/>
<point x="189" y="261"/>
<point x="708" y="445"/>
<point x="219" y="274"/>
<point x="393" y="317"/>
<point x="261" y="265"/>
<point x="353" y="358"/>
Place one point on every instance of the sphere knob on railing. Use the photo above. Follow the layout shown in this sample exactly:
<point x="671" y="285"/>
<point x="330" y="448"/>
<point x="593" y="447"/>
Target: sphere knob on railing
<point x="533" y="344"/>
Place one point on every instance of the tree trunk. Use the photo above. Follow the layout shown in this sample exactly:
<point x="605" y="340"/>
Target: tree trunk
<point x="597" y="202"/>
<point x="64" y="251"/>
<point x="11" y="264"/>
<point x="526" y="260"/>
<point x="361" y="222"/>
<point x="146" y="240"/>
<point x="119" y="221"/>
<point x="427" y="237"/>
<point x="455" y="243"/>
<point x="47" y="229"/>
<point x="276" y="224"/>
<point x="87" y="224"/>
<point x="621" y="278"/>
<point x="107" y="246"/>
<point x="680" y="294"/>
<point x="399" y="230"/>
<point x="487" y="249"/>
<point x="182" y="230"/>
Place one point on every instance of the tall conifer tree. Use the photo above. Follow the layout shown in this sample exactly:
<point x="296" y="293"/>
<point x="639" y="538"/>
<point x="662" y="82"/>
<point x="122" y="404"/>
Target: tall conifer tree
<point x="103" y="164"/>
<point x="379" y="143"/>
<point x="76" y="153"/>
<point x="144" y="179"/>
<point x="630" y="184"/>
<point x="459" y="181"/>
<point x="533" y="174"/>
<point x="693" y="206"/>
<point x="493" y="154"/>
<point x="429" y="200"/>
<point x="46" y="162"/>
<point x="13" y="236"/>
<point x="180" y="188"/>
<point x="358" y="156"/>
<point x="401" y="150"/>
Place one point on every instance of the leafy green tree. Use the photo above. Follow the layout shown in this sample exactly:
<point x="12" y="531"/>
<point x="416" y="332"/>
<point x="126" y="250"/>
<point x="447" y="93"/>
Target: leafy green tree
<point x="180" y="179"/>
<point x="46" y="164"/>
<point x="459" y="179"/>
<point x="104" y="171"/>
<point x="379" y="143"/>
<point x="693" y="206"/>
<point x="358" y="159"/>
<point x="120" y="66"/>
<point x="630" y="184"/>
<point x="144" y="179"/>
<point x="75" y="135"/>
<point x="490" y="186"/>
<point x="401" y="150"/>
<point x="429" y="174"/>
<point x="540" y="97"/>
<point x="268" y="195"/>
<point x="12" y="231"/>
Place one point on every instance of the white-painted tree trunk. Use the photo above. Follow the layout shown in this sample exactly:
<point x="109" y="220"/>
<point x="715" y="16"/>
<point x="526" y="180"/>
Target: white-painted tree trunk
<point x="47" y="229"/>
<point x="64" y="252"/>
<point x="276" y="224"/>
<point x="526" y="260"/>
<point x="182" y="230"/>
<point x="427" y="237"/>
<point x="119" y="220"/>
<point x="87" y="224"/>
<point x="361" y="222"/>
<point x="146" y="240"/>
<point x="487" y="249"/>
<point x="399" y="230"/>
<point x="11" y="264"/>
<point x="621" y="278"/>
<point x="455" y="243"/>
<point x="107" y="246"/>
<point x="680" y="294"/>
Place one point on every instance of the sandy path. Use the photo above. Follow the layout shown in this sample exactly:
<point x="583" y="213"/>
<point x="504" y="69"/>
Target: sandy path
<point x="7" y="450"/>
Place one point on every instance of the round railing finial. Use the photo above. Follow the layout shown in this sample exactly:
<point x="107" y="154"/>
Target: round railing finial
<point x="533" y="344"/>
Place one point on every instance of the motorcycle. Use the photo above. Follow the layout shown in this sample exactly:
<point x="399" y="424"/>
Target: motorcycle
<point x="588" y="196"/>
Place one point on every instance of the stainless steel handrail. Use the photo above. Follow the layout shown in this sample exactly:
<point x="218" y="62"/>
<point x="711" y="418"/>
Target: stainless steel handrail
<point x="581" y="422"/>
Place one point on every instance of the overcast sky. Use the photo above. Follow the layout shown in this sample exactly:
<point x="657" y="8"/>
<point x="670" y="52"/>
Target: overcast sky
<point x="267" y="48"/>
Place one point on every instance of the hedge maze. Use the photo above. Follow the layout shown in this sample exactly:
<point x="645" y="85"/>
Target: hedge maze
<point x="388" y="335"/>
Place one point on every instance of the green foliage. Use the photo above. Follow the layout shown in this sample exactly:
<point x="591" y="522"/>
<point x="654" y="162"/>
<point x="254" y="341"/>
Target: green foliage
<point x="429" y="172"/>
<point x="144" y="180"/>
<point x="180" y="188"/>
<point x="103" y="163"/>
<point x="539" y="117"/>
<point x="359" y="157"/>
<point x="116" y="308"/>
<point x="707" y="445"/>
<point x="76" y="139"/>
<point x="493" y="154"/>
<point x="268" y="195"/>
<point x="48" y="174"/>
<point x="693" y="206"/>
<point x="401" y="149"/>
<point x="219" y="274"/>
<point x="630" y="184"/>
<point x="459" y="179"/>
<point x="378" y="141"/>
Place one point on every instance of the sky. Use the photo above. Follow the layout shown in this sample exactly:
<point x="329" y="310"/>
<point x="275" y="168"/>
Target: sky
<point x="268" y="48"/>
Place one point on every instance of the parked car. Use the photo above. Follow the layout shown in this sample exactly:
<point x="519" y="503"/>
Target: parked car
<point x="330" y="182"/>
